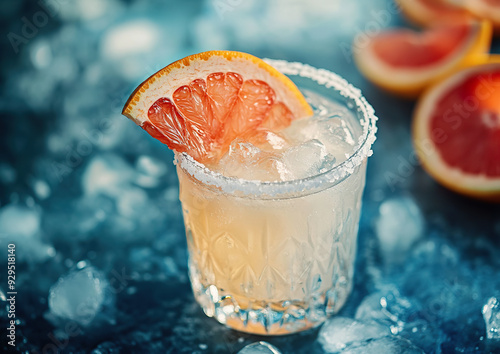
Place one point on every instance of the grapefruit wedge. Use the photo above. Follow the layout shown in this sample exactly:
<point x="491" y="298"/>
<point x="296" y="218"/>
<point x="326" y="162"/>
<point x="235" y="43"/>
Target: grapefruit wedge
<point x="201" y="103"/>
<point x="405" y="62"/>
<point x="486" y="9"/>
<point x="456" y="131"/>
<point x="427" y="13"/>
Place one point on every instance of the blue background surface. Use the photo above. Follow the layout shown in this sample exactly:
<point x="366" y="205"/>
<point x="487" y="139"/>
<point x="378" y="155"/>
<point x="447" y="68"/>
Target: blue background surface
<point x="63" y="86"/>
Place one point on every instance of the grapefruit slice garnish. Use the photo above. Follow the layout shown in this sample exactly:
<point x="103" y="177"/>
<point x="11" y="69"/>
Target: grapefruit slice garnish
<point x="406" y="62"/>
<point x="456" y="131"/>
<point x="486" y="9"/>
<point x="431" y="12"/>
<point x="201" y="103"/>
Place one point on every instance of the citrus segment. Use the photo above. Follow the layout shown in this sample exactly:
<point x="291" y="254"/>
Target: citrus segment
<point x="456" y="131"/>
<point x="431" y="12"/>
<point x="201" y="103"/>
<point x="166" y="124"/>
<point x="406" y="62"/>
<point x="223" y="88"/>
<point x="253" y="103"/>
<point x="278" y="118"/>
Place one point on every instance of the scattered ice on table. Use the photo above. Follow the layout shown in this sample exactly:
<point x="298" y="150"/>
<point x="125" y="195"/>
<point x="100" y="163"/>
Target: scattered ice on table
<point x="85" y="10"/>
<point x="436" y="276"/>
<point x="388" y="308"/>
<point x="259" y="348"/>
<point x="399" y="226"/>
<point x="132" y="201"/>
<point x="403" y="316"/>
<point x="21" y="225"/>
<point x="149" y="171"/>
<point x="426" y="335"/>
<point x="107" y="174"/>
<point x="491" y="315"/>
<point x="262" y="24"/>
<point x="171" y="194"/>
<point x="150" y="166"/>
<point x="107" y="348"/>
<point x="385" y="345"/>
<point x="41" y="54"/>
<point x="81" y="296"/>
<point x="130" y="38"/>
<point x="17" y="220"/>
<point x="203" y="346"/>
<point x="208" y="36"/>
<point x="41" y="188"/>
<point x="342" y="332"/>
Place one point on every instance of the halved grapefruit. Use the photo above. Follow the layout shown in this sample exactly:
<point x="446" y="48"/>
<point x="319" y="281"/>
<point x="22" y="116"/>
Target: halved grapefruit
<point x="486" y="9"/>
<point x="406" y="62"/>
<point x="431" y="12"/>
<point x="201" y="103"/>
<point x="456" y="131"/>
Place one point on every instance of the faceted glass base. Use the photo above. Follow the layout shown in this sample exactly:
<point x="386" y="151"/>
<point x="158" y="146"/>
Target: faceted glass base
<point x="267" y="318"/>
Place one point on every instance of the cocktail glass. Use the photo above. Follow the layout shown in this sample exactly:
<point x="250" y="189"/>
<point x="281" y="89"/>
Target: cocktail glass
<point x="275" y="258"/>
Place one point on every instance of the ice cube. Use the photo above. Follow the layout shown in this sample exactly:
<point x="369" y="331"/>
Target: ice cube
<point x="491" y="315"/>
<point x="342" y="332"/>
<point x="307" y="159"/>
<point x="437" y="277"/>
<point x="399" y="226"/>
<point x="41" y="54"/>
<point x="269" y="141"/>
<point x="19" y="221"/>
<point x="86" y="11"/>
<point x="244" y="160"/>
<point x="131" y="201"/>
<point x="41" y="188"/>
<point x="149" y="171"/>
<point x="386" y="345"/>
<point x="79" y="296"/>
<point x="331" y="128"/>
<point x="337" y="137"/>
<point x="21" y="225"/>
<point x="428" y="336"/>
<point x="106" y="174"/>
<point x="388" y="308"/>
<point x="106" y="348"/>
<point x="130" y="38"/>
<point x="259" y="348"/>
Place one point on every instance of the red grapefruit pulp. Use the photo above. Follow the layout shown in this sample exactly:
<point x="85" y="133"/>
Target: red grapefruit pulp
<point x="460" y="117"/>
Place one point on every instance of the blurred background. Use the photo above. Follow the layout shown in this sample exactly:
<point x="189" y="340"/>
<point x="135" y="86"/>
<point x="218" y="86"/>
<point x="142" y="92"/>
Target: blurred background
<point x="91" y="201"/>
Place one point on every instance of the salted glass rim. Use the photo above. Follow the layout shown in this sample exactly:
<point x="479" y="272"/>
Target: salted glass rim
<point x="336" y="174"/>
